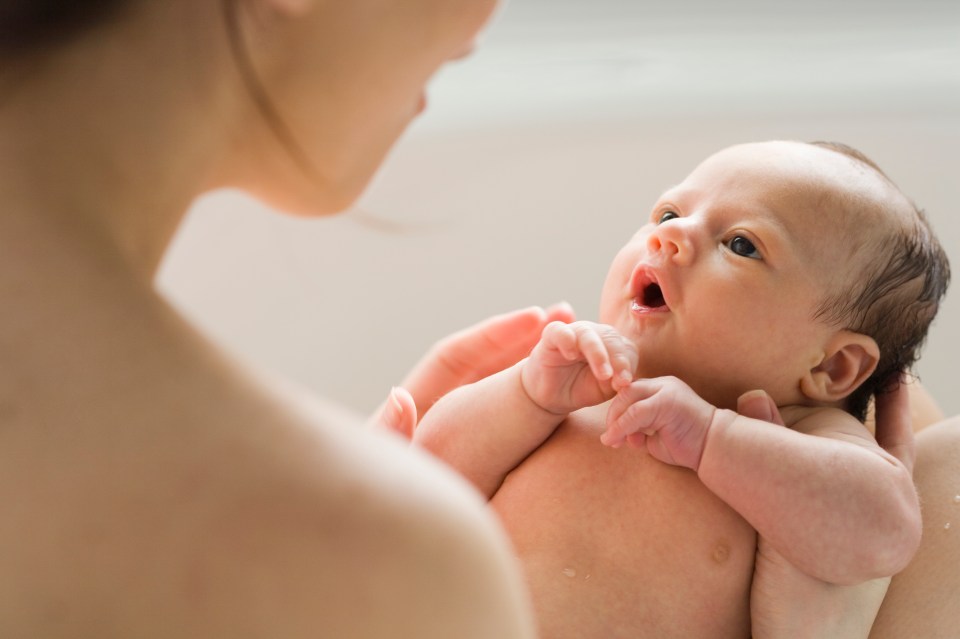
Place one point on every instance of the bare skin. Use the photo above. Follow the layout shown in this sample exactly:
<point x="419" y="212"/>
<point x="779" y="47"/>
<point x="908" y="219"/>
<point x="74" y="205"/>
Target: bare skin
<point x="569" y="509"/>
<point x="921" y="601"/>
<point x="782" y="598"/>
<point x="153" y="486"/>
<point x="523" y="438"/>
<point x="570" y="506"/>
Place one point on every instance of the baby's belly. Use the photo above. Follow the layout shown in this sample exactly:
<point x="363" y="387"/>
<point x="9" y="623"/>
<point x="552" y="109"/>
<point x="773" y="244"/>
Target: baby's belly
<point x="617" y="544"/>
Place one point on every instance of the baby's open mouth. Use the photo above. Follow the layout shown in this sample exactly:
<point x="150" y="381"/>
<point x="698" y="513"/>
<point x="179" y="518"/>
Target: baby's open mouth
<point x="648" y="296"/>
<point x="651" y="296"/>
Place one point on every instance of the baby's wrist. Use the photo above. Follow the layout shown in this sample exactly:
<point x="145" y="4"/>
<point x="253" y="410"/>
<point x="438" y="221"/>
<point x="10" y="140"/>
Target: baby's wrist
<point x="521" y="366"/>
<point x="719" y="420"/>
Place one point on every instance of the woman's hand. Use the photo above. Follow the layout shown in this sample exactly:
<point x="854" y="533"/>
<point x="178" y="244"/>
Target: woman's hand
<point x="464" y="357"/>
<point x="785" y="602"/>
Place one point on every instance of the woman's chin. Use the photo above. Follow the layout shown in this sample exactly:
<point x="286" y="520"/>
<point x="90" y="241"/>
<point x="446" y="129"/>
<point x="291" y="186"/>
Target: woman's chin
<point x="309" y="199"/>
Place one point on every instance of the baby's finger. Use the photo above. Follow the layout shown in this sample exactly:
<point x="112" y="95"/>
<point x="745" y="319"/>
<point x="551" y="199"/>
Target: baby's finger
<point x="637" y="440"/>
<point x="615" y="437"/>
<point x="612" y="438"/>
<point x="595" y="351"/>
<point x="563" y="338"/>
<point x="622" y="354"/>
<point x="636" y="391"/>
<point x="623" y="371"/>
<point x="631" y="410"/>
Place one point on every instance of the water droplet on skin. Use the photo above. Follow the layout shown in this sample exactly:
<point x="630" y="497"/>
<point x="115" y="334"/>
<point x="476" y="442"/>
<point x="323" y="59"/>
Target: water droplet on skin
<point x="587" y="578"/>
<point x="956" y="499"/>
<point x="946" y="526"/>
<point x="570" y="572"/>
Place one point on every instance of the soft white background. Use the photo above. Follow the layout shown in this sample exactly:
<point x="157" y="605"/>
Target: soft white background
<point x="540" y="155"/>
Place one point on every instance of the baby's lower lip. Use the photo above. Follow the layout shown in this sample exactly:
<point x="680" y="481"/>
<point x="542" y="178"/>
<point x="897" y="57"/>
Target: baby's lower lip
<point x="638" y="307"/>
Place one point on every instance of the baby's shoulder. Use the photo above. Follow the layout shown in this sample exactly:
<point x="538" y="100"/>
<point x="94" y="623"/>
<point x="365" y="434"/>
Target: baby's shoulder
<point x="824" y="421"/>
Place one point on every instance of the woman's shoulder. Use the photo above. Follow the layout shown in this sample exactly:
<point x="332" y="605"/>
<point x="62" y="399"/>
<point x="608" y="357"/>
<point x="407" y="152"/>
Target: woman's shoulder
<point x="236" y="506"/>
<point x="332" y="525"/>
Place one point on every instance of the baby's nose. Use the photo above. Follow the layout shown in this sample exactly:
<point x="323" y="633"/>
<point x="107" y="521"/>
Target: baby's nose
<point x="672" y="242"/>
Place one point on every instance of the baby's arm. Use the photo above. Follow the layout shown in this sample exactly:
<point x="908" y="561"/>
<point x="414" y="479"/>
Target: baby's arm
<point x="486" y="428"/>
<point x="823" y="493"/>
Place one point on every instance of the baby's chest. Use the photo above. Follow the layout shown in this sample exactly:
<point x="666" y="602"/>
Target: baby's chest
<point x="574" y="490"/>
<point x="590" y="522"/>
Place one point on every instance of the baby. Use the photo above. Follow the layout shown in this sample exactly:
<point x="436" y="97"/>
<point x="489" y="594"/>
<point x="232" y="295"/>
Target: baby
<point x="798" y="269"/>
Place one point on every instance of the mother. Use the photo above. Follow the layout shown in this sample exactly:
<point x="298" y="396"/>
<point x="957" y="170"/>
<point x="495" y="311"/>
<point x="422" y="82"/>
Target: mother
<point x="151" y="485"/>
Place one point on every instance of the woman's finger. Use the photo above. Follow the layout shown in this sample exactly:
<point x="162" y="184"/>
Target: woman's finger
<point x="478" y="351"/>
<point x="757" y="404"/>
<point x="398" y="414"/>
<point x="894" y="427"/>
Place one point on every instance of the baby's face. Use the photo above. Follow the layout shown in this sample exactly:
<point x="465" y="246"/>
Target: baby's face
<point x="722" y="284"/>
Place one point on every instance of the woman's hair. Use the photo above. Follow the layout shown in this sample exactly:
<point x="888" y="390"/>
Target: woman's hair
<point x="28" y="26"/>
<point x="896" y="299"/>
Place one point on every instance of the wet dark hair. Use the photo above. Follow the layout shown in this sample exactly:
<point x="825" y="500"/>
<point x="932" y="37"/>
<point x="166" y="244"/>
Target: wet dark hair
<point x="897" y="296"/>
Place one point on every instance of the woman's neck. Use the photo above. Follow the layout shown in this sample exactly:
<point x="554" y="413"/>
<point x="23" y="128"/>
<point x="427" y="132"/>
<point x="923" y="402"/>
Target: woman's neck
<point x="102" y="144"/>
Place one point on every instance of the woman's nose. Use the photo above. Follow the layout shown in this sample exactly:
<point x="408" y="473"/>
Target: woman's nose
<point x="672" y="241"/>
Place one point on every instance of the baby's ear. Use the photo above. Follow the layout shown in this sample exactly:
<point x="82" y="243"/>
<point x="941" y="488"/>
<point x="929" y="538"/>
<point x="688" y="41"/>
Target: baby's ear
<point x="849" y="359"/>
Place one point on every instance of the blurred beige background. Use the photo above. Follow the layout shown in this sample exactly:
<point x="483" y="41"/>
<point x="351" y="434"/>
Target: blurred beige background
<point x="540" y="155"/>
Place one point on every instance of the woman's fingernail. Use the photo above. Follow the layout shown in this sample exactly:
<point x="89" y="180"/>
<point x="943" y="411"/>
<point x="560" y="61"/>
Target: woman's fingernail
<point x="394" y="401"/>
<point x="394" y="412"/>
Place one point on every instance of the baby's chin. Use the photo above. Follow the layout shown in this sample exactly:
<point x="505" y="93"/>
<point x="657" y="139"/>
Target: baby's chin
<point x="710" y="388"/>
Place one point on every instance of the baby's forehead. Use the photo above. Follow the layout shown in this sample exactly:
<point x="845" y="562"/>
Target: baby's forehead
<point x="803" y="186"/>
<point x="785" y="167"/>
<point x="834" y="211"/>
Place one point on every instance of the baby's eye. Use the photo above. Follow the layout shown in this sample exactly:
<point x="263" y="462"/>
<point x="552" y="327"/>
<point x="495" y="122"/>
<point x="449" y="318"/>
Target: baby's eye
<point x="666" y="216"/>
<point x="744" y="247"/>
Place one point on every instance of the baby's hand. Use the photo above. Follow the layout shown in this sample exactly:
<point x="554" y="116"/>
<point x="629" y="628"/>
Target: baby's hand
<point x="577" y="365"/>
<point x="663" y="414"/>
